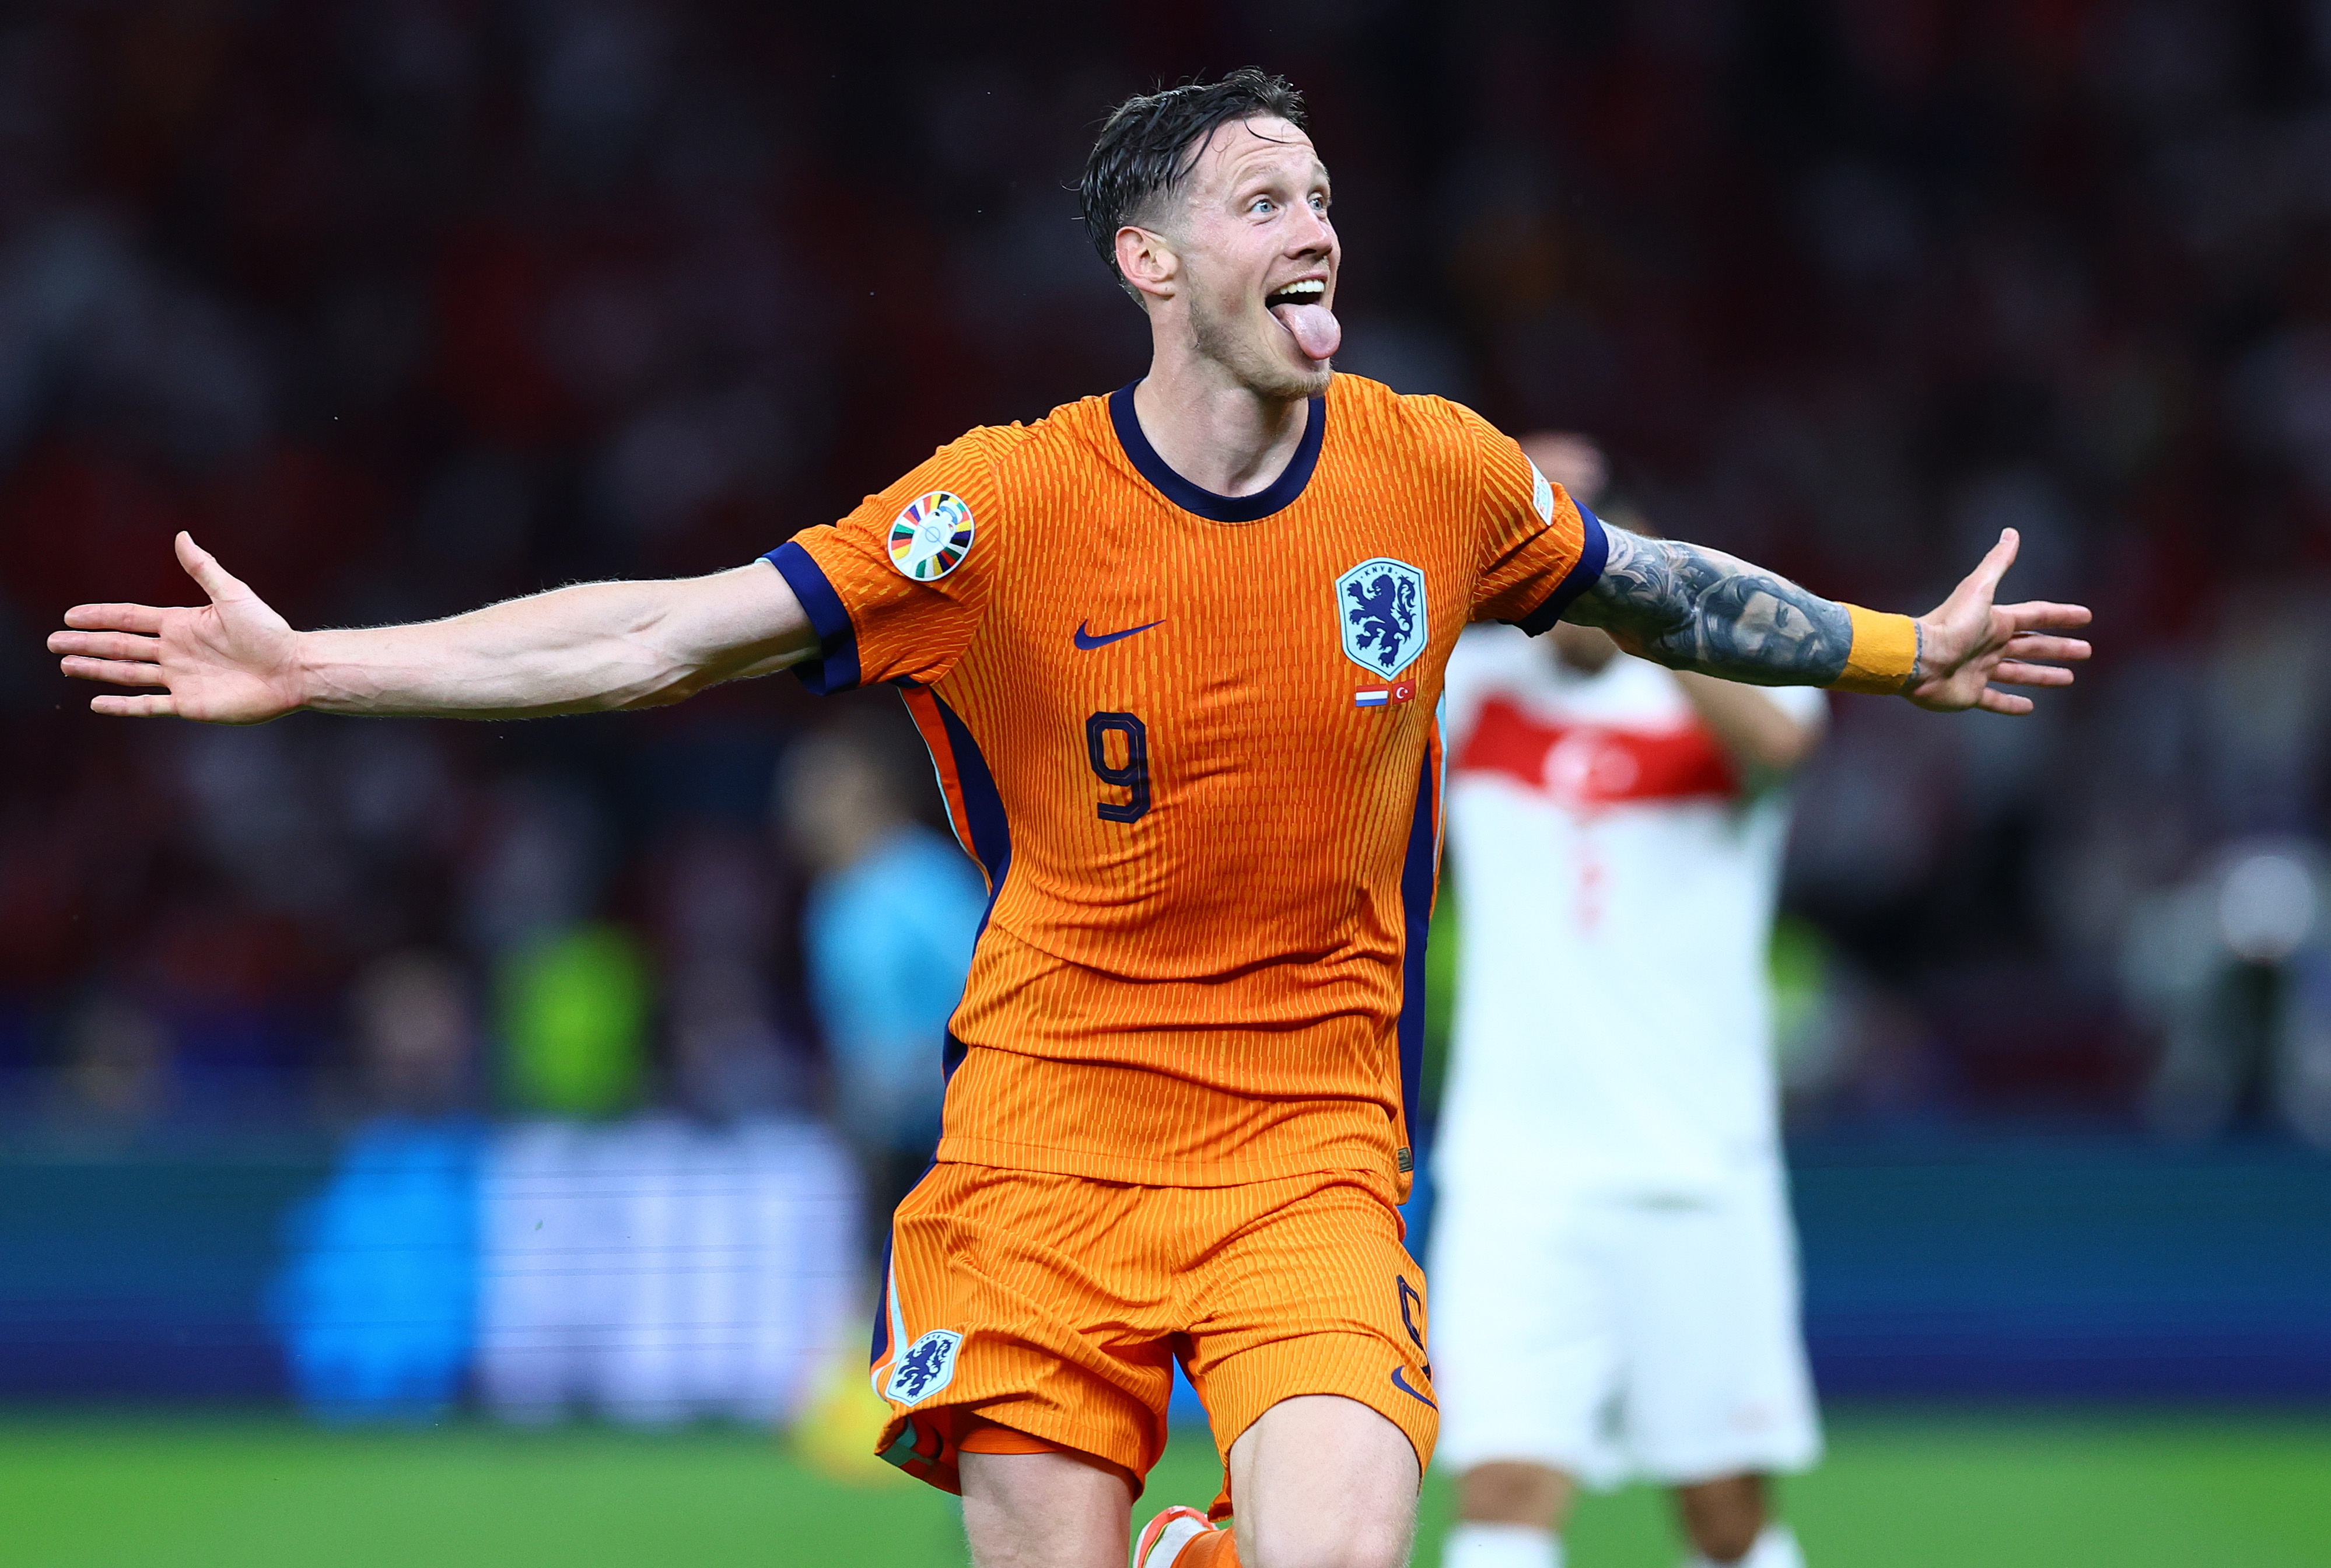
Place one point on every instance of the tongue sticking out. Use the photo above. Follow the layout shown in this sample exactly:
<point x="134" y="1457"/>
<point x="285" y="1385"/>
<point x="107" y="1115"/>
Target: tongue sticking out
<point x="1314" y="328"/>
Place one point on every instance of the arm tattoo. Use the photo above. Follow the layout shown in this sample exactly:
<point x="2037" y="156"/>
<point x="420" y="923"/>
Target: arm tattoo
<point x="1690" y="608"/>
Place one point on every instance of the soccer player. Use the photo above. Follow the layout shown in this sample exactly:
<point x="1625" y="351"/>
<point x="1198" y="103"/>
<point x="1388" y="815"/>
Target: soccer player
<point x="1178" y="654"/>
<point x="1613" y="1270"/>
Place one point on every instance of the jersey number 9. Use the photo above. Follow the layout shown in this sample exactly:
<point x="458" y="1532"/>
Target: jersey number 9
<point x="1133" y="775"/>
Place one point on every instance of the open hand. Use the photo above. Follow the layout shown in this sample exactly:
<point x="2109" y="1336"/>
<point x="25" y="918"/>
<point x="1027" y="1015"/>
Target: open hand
<point x="234" y="660"/>
<point x="1968" y="642"/>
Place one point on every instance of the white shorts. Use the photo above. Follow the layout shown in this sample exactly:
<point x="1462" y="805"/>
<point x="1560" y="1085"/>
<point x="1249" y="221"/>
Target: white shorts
<point x="1619" y="1337"/>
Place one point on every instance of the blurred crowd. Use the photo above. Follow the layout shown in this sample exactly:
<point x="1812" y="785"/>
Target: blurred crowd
<point x="401" y="305"/>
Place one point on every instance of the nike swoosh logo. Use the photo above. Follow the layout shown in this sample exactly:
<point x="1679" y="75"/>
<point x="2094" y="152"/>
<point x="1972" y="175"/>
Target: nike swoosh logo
<point x="1401" y="1383"/>
<point x="1088" y="642"/>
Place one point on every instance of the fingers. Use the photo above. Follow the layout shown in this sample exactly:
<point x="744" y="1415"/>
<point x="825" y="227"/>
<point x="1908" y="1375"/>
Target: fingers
<point x="114" y="618"/>
<point x="106" y="645"/>
<point x="2039" y="615"/>
<point x="2030" y="647"/>
<point x="114" y="671"/>
<point x="153" y="704"/>
<point x="1996" y="701"/>
<point x="204" y="569"/>
<point x="2016" y="673"/>
<point x="1985" y="577"/>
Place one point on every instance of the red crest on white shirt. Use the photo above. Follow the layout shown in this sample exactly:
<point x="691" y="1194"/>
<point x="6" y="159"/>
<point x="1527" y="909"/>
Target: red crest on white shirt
<point x="1595" y="764"/>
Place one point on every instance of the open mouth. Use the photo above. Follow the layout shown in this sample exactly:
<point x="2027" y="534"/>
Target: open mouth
<point x="1301" y="308"/>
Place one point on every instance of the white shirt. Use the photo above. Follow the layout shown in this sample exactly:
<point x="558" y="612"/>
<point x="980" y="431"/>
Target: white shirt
<point x="1615" y="886"/>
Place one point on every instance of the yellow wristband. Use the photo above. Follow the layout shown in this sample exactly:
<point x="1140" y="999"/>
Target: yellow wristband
<point x="1884" y="656"/>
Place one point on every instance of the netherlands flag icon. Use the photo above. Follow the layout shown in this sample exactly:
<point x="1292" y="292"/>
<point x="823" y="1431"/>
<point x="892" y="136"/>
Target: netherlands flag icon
<point x="1379" y="696"/>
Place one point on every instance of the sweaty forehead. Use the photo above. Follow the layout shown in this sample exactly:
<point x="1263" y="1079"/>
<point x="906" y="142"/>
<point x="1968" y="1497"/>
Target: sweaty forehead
<point x="1247" y="148"/>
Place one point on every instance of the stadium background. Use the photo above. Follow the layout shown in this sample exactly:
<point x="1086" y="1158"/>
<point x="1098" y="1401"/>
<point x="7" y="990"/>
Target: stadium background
<point x="401" y="305"/>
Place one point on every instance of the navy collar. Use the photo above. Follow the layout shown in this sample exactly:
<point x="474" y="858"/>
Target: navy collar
<point x="1280" y="495"/>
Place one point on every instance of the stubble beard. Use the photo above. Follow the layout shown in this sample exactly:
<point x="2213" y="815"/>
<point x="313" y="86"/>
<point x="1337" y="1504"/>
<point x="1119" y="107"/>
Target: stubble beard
<point x="1254" y="366"/>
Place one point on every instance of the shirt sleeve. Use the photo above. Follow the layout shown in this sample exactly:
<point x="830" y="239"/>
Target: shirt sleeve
<point x="895" y="589"/>
<point x="1539" y="549"/>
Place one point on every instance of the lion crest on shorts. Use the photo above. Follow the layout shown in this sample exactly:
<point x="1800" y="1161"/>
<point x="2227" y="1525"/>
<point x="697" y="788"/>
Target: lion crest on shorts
<point x="927" y="1366"/>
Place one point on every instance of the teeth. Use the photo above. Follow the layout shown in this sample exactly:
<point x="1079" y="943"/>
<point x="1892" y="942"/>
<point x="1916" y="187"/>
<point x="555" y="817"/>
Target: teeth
<point x="1314" y="286"/>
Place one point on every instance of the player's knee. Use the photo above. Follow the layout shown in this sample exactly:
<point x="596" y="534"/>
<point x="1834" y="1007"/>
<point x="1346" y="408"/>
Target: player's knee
<point x="1323" y="1481"/>
<point x="1513" y="1492"/>
<point x="1724" y="1517"/>
<point x="1341" y="1540"/>
<point x="1727" y="1542"/>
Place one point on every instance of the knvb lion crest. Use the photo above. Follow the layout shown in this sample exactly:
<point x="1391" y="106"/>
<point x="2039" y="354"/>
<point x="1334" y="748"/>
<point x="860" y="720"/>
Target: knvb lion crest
<point x="1381" y="604"/>
<point x="927" y="1366"/>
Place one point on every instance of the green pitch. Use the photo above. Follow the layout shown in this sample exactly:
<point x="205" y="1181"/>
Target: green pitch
<point x="1898" y="1492"/>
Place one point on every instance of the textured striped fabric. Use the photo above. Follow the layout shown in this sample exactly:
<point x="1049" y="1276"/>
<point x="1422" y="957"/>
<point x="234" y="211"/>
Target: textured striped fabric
<point x="1055" y="1306"/>
<point x="1210" y="867"/>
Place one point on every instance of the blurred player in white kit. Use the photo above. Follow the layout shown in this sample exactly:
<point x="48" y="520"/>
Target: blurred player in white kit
<point x="1614" y="1268"/>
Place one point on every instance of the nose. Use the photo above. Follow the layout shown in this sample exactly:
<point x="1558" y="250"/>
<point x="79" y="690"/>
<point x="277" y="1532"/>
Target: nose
<point x="1311" y="233"/>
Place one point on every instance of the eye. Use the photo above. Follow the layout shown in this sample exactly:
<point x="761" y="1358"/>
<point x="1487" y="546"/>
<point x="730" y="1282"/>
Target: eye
<point x="1263" y="205"/>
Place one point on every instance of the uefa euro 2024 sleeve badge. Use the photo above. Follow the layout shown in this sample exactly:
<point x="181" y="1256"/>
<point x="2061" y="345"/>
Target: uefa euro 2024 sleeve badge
<point x="931" y="537"/>
<point x="1380" y="605"/>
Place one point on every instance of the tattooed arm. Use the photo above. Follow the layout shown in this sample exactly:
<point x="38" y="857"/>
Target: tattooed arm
<point x="1690" y="608"/>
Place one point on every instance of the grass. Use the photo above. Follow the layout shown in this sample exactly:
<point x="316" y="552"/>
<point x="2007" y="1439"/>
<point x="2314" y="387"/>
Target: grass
<point x="1898" y="1492"/>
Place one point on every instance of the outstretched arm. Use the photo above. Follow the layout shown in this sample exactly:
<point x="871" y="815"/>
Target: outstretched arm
<point x="580" y="650"/>
<point x="1690" y="608"/>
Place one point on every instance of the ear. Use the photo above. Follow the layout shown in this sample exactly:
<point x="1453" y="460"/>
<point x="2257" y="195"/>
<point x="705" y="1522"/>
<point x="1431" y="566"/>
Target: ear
<point x="1151" y="266"/>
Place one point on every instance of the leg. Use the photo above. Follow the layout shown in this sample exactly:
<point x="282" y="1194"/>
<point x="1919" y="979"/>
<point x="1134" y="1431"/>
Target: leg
<point x="1019" y="1319"/>
<point x="1515" y="1492"/>
<point x="1510" y="1515"/>
<point x="1305" y="1333"/>
<point x="1043" y="1511"/>
<point x="1525" y="1360"/>
<point x="1717" y="1396"/>
<point x="1323" y="1482"/>
<point x="1723" y="1516"/>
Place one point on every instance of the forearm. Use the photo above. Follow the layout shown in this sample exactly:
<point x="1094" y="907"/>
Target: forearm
<point x="1696" y="609"/>
<point x="1751" y="727"/>
<point x="588" y="649"/>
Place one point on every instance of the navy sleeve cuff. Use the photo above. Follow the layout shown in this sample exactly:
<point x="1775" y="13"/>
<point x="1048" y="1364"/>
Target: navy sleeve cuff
<point x="1593" y="551"/>
<point x="835" y="666"/>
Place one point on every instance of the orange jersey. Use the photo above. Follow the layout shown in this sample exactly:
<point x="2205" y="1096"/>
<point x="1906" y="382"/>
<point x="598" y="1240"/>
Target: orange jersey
<point x="1193" y="742"/>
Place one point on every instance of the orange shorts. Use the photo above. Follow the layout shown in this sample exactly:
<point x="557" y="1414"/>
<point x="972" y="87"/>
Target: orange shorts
<point x="1055" y="1306"/>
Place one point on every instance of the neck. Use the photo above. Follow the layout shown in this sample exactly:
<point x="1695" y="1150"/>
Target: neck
<point x="1216" y="433"/>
